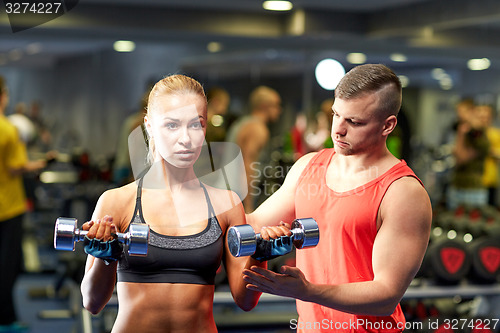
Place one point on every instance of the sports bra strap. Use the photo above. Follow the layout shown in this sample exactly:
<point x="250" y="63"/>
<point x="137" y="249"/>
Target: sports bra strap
<point x="211" y="212"/>
<point x="138" y="204"/>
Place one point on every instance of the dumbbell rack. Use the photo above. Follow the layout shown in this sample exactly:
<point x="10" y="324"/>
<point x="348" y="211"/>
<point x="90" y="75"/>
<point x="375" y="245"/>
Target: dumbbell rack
<point x="458" y="289"/>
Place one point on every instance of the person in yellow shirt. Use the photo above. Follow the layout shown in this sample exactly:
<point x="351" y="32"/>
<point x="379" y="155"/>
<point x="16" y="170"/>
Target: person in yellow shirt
<point x="13" y="162"/>
<point x="490" y="175"/>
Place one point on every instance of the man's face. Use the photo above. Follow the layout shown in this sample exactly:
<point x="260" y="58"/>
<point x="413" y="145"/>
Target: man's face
<point x="356" y="127"/>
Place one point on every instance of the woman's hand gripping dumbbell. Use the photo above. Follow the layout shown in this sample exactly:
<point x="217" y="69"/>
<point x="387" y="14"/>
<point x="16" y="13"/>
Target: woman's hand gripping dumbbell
<point x="100" y="238"/>
<point x="243" y="241"/>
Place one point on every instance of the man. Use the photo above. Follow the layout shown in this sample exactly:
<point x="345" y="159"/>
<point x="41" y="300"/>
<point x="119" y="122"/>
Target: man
<point x="373" y="213"/>
<point x="251" y="134"/>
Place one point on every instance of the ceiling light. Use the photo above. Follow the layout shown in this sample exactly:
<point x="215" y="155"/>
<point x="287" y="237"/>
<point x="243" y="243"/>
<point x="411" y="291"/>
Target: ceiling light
<point x="214" y="47"/>
<point x="356" y="58"/>
<point x="33" y="48"/>
<point x="398" y="57"/>
<point x="438" y="73"/>
<point x="328" y="73"/>
<point x="124" y="46"/>
<point x="446" y="82"/>
<point x="478" y="64"/>
<point x="277" y="5"/>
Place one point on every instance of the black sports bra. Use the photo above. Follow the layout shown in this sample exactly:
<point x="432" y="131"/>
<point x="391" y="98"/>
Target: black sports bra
<point x="192" y="259"/>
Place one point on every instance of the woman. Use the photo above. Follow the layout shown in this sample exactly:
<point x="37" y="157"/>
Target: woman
<point x="172" y="288"/>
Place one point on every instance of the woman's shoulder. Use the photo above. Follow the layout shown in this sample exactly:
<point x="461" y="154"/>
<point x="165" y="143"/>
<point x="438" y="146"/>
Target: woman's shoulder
<point x="116" y="201"/>
<point x="219" y="195"/>
<point x="121" y="192"/>
<point x="223" y="200"/>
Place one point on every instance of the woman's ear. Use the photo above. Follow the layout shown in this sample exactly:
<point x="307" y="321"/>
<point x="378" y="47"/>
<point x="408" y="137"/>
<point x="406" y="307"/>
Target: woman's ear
<point x="147" y="125"/>
<point x="389" y="125"/>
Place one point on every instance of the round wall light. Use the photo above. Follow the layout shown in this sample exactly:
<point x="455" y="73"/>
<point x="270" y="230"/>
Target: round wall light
<point x="328" y="73"/>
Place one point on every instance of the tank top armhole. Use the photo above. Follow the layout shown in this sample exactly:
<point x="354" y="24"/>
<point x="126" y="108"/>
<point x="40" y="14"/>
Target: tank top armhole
<point x="320" y="155"/>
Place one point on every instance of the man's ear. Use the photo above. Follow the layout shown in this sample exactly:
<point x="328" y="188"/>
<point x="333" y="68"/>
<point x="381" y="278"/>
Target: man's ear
<point x="389" y="125"/>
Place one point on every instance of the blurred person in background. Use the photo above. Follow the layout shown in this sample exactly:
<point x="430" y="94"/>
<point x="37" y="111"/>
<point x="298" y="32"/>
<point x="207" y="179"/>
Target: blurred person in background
<point x="251" y="134"/>
<point x="490" y="175"/>
<point x="470" y="149"/>
<point x="122" y="169"/>
<point x="13" y="163"/>
<point x="218" y="103"/>
<point x="318" y="137"/>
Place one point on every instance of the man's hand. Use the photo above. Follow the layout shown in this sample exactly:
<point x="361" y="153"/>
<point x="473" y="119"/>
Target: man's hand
<point x="276" y="231"/>
<point x="290" y="283"/>
<point x="274" y="241"/>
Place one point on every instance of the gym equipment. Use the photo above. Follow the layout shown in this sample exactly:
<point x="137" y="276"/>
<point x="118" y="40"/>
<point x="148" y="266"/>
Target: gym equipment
<point x="480" y="228"/>
<point x="446" y="260"/>
<point x="242" y="240"/>
<point x="485" y="254"/>
<point x="464" y="244"/>
<point x="66" y="235"/>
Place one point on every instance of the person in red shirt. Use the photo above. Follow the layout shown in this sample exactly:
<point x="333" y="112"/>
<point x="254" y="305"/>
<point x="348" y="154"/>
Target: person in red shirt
<point x="373" y="213"/>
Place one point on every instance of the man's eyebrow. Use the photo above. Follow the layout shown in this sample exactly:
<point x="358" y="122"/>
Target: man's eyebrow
<point x="350" y="118"/>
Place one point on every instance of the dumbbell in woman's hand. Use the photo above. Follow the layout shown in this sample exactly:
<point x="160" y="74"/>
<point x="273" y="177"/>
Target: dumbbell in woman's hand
<point x="66" y="234"/>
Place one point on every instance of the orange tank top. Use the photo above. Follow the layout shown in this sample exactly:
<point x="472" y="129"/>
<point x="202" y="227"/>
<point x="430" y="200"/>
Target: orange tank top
<point x="348" y="225"/>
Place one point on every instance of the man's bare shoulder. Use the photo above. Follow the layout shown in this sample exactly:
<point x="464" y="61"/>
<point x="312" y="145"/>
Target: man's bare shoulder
<point x="409" y="183"/>
<point x="407" y="193"/>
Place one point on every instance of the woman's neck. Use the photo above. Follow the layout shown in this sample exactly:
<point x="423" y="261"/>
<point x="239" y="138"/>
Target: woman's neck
<point x="163" y="175"/>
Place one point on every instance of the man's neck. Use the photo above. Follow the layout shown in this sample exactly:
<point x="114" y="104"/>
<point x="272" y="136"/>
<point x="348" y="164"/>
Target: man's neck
<point x="261" y="116"/>
<point x="355" y="164"/>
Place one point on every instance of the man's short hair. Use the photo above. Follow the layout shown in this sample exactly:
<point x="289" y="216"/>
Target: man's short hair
<point x="372" y="78"/>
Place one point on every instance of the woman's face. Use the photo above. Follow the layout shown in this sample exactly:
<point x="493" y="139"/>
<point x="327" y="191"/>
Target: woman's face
<point x="177" y="124"/>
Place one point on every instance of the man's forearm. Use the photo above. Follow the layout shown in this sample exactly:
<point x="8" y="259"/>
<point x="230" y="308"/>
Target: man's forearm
<point x="365" y="298"/>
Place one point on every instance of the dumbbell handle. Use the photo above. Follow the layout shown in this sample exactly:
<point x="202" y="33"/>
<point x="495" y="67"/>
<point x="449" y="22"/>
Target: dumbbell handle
<point x="122" y="237"/>
<point x="297" y="234"/>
